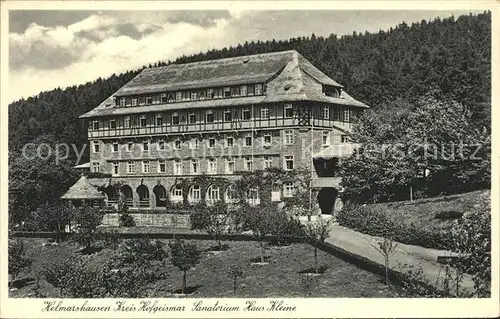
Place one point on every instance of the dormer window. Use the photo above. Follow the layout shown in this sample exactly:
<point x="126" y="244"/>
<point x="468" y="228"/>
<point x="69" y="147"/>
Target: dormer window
<point x="235" y="91"/>
<point x="142" y="100"/>
<point x="258" y="89"/>
<point x="156" y="99"/>
<point x="243" y="90"/>
<point x="210" y="93"/>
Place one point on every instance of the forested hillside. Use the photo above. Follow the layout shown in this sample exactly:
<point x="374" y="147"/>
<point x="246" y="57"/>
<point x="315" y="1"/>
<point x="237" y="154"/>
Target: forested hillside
<point x="449" y="57"/>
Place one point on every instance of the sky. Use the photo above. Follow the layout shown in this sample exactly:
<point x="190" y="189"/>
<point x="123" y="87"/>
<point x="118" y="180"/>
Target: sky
<point x="49" y="49"/>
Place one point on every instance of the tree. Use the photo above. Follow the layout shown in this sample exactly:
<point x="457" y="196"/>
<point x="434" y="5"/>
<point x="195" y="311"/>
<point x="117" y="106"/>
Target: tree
<point x="18" y="258"/>
<point x="429" y="146"/>
<point x="259" y="219"/>
<point x="214" y="219"/>
<point x="87" y="220"/>
<point x="184" y="257"/>
<point x="235" y="272"/>
<point x="316" y="232"/>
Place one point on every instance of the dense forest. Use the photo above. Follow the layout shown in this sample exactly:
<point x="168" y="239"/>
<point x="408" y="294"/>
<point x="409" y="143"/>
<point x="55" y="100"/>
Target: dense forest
<point x="449" y="58"/>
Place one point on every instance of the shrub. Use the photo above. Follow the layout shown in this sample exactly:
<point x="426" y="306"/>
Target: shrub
<point x="471" y="238"/>
<point x="75" y="278"/>
<point x="285" y="229"/>
<point x="126" y="220"/>
<point x="128" y="281"/>
<point x="138" y="251"/>
<point x="449" y="214"/>
<point x="111" y="239"/>
<point x="17" y="257"/>
<point x="184" y="257"/>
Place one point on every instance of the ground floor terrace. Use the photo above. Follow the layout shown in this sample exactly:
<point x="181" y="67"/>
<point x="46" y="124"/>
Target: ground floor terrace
<point x="153" y="193"/>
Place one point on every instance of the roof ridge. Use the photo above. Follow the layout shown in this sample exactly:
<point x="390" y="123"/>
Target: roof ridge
<point x="293" y="51"/>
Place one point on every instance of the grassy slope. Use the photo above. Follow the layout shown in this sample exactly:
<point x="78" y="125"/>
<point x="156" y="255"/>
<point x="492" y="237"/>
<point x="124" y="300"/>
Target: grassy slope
<point x="280" y="278"/>
<point x="422" y="212"/>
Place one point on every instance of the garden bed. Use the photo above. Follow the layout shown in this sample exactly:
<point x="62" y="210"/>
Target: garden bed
<point x="283" y="276"/>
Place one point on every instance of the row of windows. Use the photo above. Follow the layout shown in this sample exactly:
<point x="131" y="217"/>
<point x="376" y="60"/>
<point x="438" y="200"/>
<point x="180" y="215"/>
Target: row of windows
<point x="194" y="165"/>
<point x="194" y="143"/>
<point x="193" y="95"/>
<point x="213" y="193"/>
<point x="228" y="116"/>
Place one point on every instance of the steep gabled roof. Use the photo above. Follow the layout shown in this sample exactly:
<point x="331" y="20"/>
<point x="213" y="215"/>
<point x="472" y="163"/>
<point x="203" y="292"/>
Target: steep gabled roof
<point x="284" y="73"/>
<point x="82" y="189"/>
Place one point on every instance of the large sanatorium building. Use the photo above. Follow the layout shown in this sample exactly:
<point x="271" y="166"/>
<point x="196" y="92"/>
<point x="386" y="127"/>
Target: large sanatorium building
<point x="216" y="117"/>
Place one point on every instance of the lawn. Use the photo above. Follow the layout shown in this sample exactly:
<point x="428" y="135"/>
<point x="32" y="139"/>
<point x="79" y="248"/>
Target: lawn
<point x="280" y="277"/>
<point x="439" y="212"/>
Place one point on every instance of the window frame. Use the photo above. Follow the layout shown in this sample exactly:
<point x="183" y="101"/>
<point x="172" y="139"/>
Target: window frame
<point x="230" y="160"/>
<point x="286" y="160"/>
<point x="270" y="136"/>
<point x="288" y="190"/>
<point x="98" y="144"/>
<point x="286" y="134"/>
<point x="264" y="111"/>
<point x="192" y="166"/>
<point x="287" y="107"/>
<point x="143" y="117"/>
<point x="326" y="112"/>
<point x="159" y="117"/>
<point x="130" y="167"/>
<point x="175" y="118"/>
<point x="212" y="166"/>
<point x="160" y="163"/>
<point x="211" y="113"/>
<point x="146" y="164"/>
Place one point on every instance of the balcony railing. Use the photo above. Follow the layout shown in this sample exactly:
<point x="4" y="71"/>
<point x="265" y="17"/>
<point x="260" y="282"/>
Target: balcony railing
<point x="210" y="127"/>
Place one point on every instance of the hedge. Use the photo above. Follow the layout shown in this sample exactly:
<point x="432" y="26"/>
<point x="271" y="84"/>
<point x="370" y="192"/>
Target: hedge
<point x="374" y="221"/>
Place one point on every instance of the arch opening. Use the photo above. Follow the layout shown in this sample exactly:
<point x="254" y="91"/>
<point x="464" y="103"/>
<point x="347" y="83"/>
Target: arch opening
<point x="160" y="195"/>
